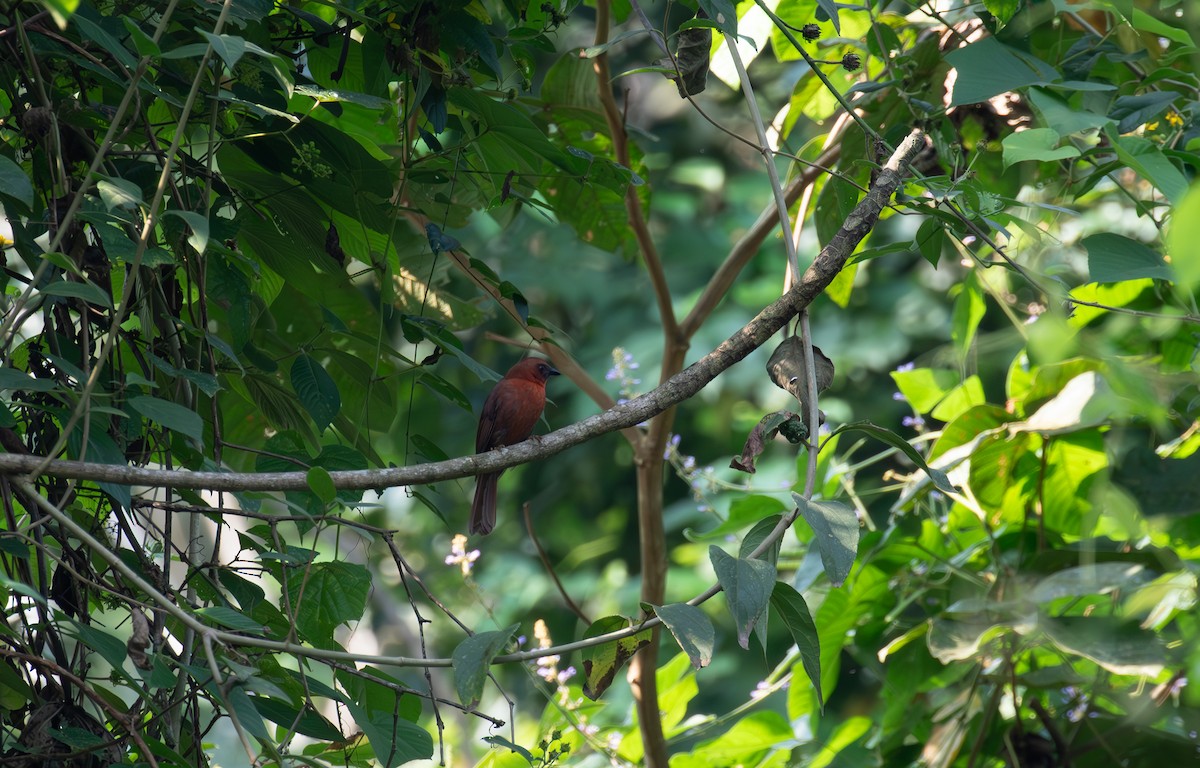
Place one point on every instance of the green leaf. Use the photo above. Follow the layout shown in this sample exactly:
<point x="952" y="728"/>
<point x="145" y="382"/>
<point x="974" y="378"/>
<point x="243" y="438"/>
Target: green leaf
<point x="1093" y="579"/>
<point x="11" y="378"/>
<point x="835" y="526"/>
<point x="987" y="68"/>
<point x="387" y="717"/>
<point x="747" y="585"/>
<point x="1113" y="258"/>
<point x="467" y="31"/>
<point x="969" y="309"/>
<point x="1120" y="647"/>
<point x="789" y="605"/>
<point x="723" y="14"/>
<point x="743" y="511"/>
<point x="517" y="132"/>
<point x="61" y="10"/>
<point x="321" y="483"/>
<point x="930" y="239"/>
<point x="230" y="48"/>
<point x="307" y="721"/>
<point x="88" y="291"/>
<point x="327" y="595"/>
<point x="1135" y="110"/>
<point x="173" y="416"/>
<point x="1144" y="21"/>
<point x="693" y="630"/>
<point x="14" y="182"/>
<point x="1083" y="402"/>
<point x="119" y="193"/>
<point x="198" y="223"/>
<point x="111" y="648"/>
<point x="959" y="400"/>
<point x="230" y="618"/>
<point x="751" y="736"/>
<point x="1145" y="158"/>
<point x="473" y="661"/>
<point x="98" y="34"/>
<point x="1183" y="239"/>
<point x="1063" y="118"/>
<point x="891" y="438"/>
<point x="317" y="391"/>
<point x="756" y="535"/>
<point x="950" y="640"/>
<point x="1039" y="144"/>
<point x="242" y="709"/>
<point x="1002" y="9"/>
<point x="924" y="388"/>
<point x="142" y="43"/>
<point x="601" y="662"/>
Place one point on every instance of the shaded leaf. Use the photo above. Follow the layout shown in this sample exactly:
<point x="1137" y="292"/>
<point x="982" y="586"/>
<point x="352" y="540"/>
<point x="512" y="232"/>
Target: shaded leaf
<point x="231" y="619"/>
<point x="756" y="535"/>
<point x="327" y="595"/>
<point x="14" y="182"/>
<point x="747" y="585"/>
<point x="1119" y="646"/>
<point x="171" y="415"/>
<point x="789" y="605"/>
<point x="88" y="291"/>
<point x="1113" y="258"/>
<point x="316" y="389"/>
<point x="835" y="526"/>
<point x="321" y="483"/>
<point x="473" y="660"/>
<point x="693" y="630"/>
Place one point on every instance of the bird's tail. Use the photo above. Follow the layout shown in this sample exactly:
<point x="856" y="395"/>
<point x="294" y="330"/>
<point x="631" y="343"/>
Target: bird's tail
<point x="483" y="509"/>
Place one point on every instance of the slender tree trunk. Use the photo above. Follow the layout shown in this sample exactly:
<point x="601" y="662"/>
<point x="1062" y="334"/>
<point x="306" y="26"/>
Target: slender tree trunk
<point x="654" y="586"/>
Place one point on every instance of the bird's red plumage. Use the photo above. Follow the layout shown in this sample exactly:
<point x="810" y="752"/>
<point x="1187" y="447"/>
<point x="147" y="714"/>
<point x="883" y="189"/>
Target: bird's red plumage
<point x="509" y="414"/>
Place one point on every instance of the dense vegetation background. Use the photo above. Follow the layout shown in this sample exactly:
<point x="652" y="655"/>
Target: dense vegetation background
<point x="264" y="260"/>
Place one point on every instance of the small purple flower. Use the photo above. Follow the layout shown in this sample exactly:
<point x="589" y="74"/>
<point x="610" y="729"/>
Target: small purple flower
<point x="899" y="397"/>
<point x="904" y="367"/>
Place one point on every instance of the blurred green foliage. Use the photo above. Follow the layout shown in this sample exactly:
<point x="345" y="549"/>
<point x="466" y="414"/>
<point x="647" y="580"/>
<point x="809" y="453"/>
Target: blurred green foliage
<point x="261" y="238"/>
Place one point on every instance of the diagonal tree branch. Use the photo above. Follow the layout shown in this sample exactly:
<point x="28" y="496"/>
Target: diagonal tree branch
<point x="674" y="390"/>
<point x="826" y="266"/>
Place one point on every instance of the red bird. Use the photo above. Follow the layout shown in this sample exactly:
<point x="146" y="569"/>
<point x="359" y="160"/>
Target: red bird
<point x="509" y="415"/>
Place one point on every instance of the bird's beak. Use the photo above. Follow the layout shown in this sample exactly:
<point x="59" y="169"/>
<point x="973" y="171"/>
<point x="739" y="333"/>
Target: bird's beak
<point x="554" y="371"/>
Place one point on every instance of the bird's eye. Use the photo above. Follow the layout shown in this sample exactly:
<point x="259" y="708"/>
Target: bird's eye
<point x="544" y="369"/>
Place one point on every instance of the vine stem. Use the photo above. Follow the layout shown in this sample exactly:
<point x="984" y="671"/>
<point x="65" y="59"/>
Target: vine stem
<point x="793" y="260"/>
<point x="148" y="226"/>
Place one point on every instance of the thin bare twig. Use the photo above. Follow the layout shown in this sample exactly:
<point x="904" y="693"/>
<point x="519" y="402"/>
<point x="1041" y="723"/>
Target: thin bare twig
<point x="575" y="609"/>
